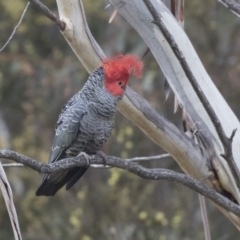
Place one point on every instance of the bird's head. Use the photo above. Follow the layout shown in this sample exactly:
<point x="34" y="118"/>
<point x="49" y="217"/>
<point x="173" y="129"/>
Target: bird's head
<point x="118" y="70"/>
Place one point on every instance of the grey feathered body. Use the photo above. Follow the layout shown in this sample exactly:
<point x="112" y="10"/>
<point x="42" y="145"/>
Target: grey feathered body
<point x="84" y="125"/>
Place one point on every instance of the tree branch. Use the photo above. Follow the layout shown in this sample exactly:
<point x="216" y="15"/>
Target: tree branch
<point x="231" y="5"/>
<point x="151" y="174"/>
<point x="151" y="158"/>
<point x="8" y="198"/>
<point x="227" y="142"/>
<point x="8" y="165"/>
<point x="49" y="14"/>
<point x="15" y="29"/>
<point x="136" y="159"/>
<point x="203" y="208"/>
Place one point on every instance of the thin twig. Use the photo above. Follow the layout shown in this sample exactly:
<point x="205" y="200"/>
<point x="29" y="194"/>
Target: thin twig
<point x="49" y="14"/>
<point x="232" y="135"/>
<point x="136" y="159"/>
<point x="227" y="143"/>
<point x="7" y="165"/>
<point x="17" y="26"/>
<point x="113" y="15"/>
<point x="231" y="5"/>
<point x="8" y="198"/>
<point x="204" y="217"/>
<point x="145" y="52"/>
<point x="151" y="174"/>
<point x="151" y="158"/>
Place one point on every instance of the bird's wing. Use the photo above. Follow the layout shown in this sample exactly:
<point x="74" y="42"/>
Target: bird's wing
<point x="67" y="128"/>
<point x="67" y="108"/>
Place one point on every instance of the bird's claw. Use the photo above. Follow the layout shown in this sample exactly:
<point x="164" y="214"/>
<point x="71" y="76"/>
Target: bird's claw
<point x="103" y="156"/>
<point x="87" y="158"/>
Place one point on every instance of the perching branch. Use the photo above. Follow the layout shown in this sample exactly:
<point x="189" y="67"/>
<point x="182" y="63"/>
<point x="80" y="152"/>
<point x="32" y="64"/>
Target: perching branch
<point x="17" y="26"/>
<point x="136" y="159"/>
<point x="227" y="142"/>
<point x="232" y="5"/>
<point x="151" y="174"/>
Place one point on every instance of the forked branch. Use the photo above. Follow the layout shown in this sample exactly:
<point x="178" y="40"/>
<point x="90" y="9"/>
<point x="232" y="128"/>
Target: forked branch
<point x="49" y="14"/>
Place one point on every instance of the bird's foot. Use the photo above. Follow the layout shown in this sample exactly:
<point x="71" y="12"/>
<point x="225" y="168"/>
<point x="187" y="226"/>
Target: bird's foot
<point x="87" y="157"/>
<point x="103" y="156"/>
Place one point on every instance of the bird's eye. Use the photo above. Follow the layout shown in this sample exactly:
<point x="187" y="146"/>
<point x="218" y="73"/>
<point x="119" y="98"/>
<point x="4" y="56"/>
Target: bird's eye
<point x="120" y="83"/>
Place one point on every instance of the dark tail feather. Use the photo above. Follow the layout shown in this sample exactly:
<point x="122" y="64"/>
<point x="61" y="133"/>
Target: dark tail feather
<point x="50" y="188"/>
<point x="77" y="175"/>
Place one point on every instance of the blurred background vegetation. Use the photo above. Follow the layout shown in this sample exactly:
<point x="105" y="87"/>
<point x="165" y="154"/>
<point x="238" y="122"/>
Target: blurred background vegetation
<point x="39" y="73"/>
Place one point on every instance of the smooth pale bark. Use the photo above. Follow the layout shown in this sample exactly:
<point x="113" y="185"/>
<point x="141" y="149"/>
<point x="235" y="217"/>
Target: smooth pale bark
<point x="134" y="107"/>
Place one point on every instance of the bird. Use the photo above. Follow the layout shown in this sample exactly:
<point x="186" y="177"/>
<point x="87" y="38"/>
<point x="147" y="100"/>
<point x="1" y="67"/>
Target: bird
<point x="87" y="119"/>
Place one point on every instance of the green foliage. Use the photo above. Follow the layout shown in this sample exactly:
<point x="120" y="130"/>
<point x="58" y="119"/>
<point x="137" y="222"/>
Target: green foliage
<point x="39" y="73"/>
